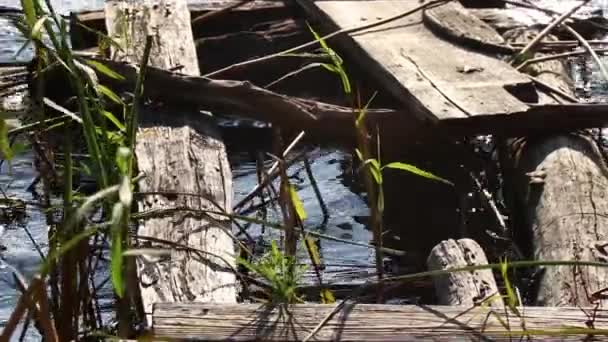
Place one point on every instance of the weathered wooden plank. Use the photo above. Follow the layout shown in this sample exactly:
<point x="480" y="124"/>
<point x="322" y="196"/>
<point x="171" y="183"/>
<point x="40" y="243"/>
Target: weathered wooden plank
<point x="436" y="78"/>
<point x="179" y="156"/>
<point x="364" y="322"/>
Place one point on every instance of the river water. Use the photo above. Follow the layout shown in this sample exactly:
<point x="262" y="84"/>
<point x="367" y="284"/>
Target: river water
<point x="347" y="210"/>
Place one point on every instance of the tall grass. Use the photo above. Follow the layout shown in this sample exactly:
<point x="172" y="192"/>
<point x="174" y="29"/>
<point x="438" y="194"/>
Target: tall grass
<point x="372" y="166"/>
<point x="109" y="148"/>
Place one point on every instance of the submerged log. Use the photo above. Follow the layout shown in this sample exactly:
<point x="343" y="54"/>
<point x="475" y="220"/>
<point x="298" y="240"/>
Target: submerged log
<point x="179" y="156"/>
<point x="557" y="185"/>
<point x="463" y="288"/>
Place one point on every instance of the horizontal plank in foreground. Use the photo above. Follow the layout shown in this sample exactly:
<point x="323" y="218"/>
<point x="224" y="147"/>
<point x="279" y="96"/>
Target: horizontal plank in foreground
<point x="366" y="322"/>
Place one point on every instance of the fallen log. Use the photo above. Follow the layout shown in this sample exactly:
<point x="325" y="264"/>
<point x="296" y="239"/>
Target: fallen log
<point x="556" y="184"/>
<point x="463" y="288"/>
<point x="370" y="322"/>
<point x="245" y="99"/>
<point x="178" y="155"/>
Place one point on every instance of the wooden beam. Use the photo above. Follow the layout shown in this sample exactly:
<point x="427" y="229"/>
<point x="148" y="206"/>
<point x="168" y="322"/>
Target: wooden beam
<point x="245" y="99"/>
<point x="366" y="322"/>
<point x="177" y="155"/>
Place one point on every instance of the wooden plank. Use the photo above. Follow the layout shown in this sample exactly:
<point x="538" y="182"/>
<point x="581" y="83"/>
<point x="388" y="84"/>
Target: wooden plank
<point x="364" y="322"/>
<point x="178" y="155"/>
<point x="428" y="74"/>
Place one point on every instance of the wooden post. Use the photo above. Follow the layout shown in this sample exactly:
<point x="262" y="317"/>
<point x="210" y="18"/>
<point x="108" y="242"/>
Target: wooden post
<point x="462" y="288"/>
<point x="185" y="164"/>
<point x="557" y="188"/>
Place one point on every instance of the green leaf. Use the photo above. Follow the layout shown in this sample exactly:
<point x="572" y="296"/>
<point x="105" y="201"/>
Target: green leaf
<point x="345" y="82"/>
<point x="104" y="69"/>
<point x="416" y="171"/>
<point x="510" y="296"/>
<point x="84" y="166"/>
<point x="374" y="169"/>
<point x="5" y="145"/>
<point x="123" y="155"/>
<point x="125" y="194"/>
<point x="380" y="203"/>
<point x="311" y="246"/>
<point x="377" y="175"/>
<point x="318" y="38"/>
<point x="109" y="94"/>
<point x="327" y="297"/>
<point x="330" y="67"/>
<point x="30" y="12"/>
<point x="363" y="111"/>
<point x="359" y="154"/>
<point x="116" y="258"/>
<point x="36" y="33"/>
<point x="297" y="203"/>
<point x="114" y="120"/>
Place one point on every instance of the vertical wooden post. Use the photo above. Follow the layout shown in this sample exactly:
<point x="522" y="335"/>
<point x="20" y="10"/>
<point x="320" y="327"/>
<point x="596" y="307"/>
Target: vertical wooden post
<point x="462" y="288"/>
<point x="185" y="165"/>
<point x="557" y="187"/>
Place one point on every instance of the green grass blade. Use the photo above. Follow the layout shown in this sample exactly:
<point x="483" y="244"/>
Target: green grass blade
<point x="109" y="94"/>
<point x="297" y="203"/>
<point x="413" y="169"/>
<point x="103" y="69"/>
<point x="5" y="145"/>
<point x="29" y="10"/>
<point x="116" y="257"/>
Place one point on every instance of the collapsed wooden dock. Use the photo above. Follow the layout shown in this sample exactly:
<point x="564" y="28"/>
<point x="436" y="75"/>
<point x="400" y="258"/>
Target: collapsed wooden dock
<point x="435" y="59"/>
<point x="438" y="66"/>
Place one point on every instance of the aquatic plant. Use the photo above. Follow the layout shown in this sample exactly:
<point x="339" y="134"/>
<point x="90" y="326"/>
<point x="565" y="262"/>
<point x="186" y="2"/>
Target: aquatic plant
<point x="372" y="176"/>
<point x="282" y="273"/>
<point x="109" y="143"/>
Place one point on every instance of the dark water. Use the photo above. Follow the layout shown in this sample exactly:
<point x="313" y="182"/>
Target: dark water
<point x="347" y="211"/>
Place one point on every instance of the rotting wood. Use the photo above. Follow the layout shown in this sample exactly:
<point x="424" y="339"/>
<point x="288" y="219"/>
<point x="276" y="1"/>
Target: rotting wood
<point x="458" y="25"/>
<point x="245" y="99"/>
<point x="557" y="188"/>
<point x="83" y="22"/>
<point x="181" y="155"/>
<point x="430" y="86"/>
<point x="463" y="288"/>
<point x="517" y="17"/>
<point x="367" y="322"/>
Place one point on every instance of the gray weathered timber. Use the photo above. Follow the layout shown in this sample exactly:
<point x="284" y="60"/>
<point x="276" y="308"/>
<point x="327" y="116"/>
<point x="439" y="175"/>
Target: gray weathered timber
<point x="458" y="25"/>
<point x="433" y="77"/>
<point x="557" y="185"/>
<point x="366" y="322"/>
<point x="195" y="8"/>
<point x="179" y="156"/>
<point x="463" y="288"/>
